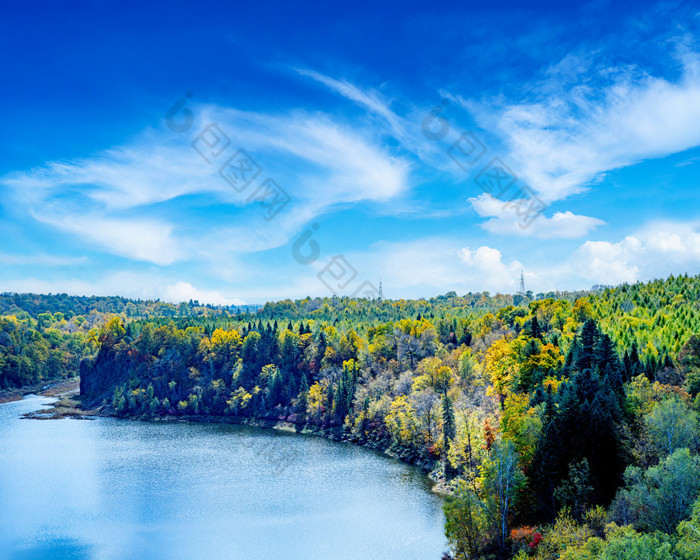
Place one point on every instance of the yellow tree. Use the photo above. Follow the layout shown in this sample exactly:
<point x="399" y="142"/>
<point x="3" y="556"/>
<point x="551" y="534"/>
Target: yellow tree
<point x="501" y="368"/>
<point x="226" y="344"/>
<point x="543" y="359"/>
<point x="317" y="400"/>
<point x="433" y="373"/>
<point x="522" y="425"/>
<point x="401" y="420"/>
<point x="582" y="311"/>
<point x="239" y="400"/>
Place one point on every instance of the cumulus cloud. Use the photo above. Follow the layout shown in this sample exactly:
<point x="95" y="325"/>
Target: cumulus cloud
<point x="429" y="266"/>
<point x="655" y="251"/>
<point x="504" y="220"/>
<point x="437" y="265"/>
<point x="121" y="200"/>
<point x="608" y="263"/>
<point x="486" y="264"/>
<point x="184" y="291"/>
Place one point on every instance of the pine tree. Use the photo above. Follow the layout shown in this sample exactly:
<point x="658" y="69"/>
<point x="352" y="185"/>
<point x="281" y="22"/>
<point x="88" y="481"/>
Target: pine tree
<point x="276" y="387"/>
<point x="635" y="362"/>
<point x="532" y="328"/>
<point x="587" y="338"/>
<point x="302" y="400"/>
<point x="627" y="366"/>
<point x="448" y="422"/>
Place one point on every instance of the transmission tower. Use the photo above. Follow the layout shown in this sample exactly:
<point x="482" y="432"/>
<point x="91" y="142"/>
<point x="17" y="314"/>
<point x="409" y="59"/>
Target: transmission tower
<point x="380" y="296"/>
<point x="522" y="284"/>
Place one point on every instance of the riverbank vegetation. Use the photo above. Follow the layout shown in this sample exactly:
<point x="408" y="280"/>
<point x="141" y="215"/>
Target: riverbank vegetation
<point x="33" y="352"/>
<point x="565" y="424"/>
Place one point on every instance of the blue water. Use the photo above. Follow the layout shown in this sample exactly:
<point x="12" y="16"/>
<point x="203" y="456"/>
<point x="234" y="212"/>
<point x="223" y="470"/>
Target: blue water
<point x="110" y="489"/>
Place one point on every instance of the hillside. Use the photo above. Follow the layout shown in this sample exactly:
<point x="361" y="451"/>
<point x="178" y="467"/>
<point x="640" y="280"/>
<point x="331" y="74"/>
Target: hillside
<point x="546" y="417"/>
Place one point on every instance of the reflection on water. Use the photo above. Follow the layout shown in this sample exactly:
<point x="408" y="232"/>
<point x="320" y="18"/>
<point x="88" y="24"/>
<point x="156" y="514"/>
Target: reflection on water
<point x="108" y="489"/>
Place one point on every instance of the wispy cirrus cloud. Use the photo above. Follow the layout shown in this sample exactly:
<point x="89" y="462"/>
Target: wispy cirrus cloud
<point x="40" y="259"/>
<point x="368" y="99"/>
<point x="317" y="160"/>
<point x="570" y="134"/>
<point x="404" y="128"/>
<point x="333" y="162"/>
<point x="142" y="240"/>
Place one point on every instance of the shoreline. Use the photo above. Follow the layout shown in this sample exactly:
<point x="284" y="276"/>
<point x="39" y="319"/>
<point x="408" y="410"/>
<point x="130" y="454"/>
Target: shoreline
<point x="69" y="405"/>
<point x="55" y="388"/>
<point x="431" y="469"/>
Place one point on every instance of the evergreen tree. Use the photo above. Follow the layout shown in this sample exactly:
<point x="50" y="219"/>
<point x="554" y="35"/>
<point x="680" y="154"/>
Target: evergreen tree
<point x="448" y="422"/>
<point x="276" y="388"/>
<point x="532" y="328"/>
<point x="302" y="400"/>
<point x="585" y="349"/>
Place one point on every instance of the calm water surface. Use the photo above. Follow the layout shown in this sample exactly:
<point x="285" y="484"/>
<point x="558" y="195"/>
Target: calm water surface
<point x="110" y="489"/>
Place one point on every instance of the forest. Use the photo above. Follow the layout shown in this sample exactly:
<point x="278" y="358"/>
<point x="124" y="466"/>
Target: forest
<point x="563" y="425"/>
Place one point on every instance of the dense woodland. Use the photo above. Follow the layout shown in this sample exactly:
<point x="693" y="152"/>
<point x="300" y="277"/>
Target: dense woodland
<point x="565" y="424"/>
<point x="72" y="306"/>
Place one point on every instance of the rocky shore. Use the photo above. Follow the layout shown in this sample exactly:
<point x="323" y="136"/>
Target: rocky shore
<point x="56" y="388"/>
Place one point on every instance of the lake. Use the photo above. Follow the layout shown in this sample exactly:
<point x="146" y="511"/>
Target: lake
<point x="112" y="489"/>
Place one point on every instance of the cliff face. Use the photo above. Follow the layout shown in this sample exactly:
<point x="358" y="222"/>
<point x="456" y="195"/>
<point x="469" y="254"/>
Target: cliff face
<point x="101" y="374"/>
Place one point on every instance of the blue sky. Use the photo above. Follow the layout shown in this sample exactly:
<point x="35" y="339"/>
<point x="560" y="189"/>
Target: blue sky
<point x="357" y="113"/>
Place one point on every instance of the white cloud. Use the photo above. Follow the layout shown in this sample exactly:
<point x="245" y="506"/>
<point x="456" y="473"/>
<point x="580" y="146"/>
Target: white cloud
<point x="436" y="265"/>
<point x="141" y="240"/>
<point x="504" y="220"/>
<point x="655" y="251"/>
<point x="603" y="262"/>
<point x="156" y="168"/>
<point x="138" y="285"/>
<point x="486" y="264"/>
<point x="41" y="260"/>
<point x="422" y="268"/>
<point x="124" y="283"/>
<point x="368" y="99"/>
<point x="407" y="127"/>
<point x="317" y="161"/>
<point x="184" y="291"/>
<point x="331" y="163"/>
<point x="430" y="266"/>
<point x="570" y="136"/>
<point x="690" y="161"/>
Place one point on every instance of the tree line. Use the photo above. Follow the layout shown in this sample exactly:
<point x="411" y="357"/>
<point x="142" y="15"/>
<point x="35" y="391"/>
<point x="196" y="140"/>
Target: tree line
<point x="565" y="424"/>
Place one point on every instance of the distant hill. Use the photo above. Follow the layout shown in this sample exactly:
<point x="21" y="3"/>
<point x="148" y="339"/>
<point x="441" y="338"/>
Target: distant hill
<point x="71" y="306"/>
